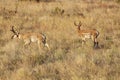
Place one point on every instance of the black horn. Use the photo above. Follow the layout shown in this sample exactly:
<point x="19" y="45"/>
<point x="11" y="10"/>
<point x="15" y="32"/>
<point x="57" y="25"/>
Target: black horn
<point x="13" y="30"/>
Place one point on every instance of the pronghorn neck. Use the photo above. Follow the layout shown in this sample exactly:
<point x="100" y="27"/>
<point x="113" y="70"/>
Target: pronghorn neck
<point x="79" y="28"/>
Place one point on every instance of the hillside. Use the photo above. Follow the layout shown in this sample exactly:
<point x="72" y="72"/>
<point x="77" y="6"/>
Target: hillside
<point x="67" y="59"/>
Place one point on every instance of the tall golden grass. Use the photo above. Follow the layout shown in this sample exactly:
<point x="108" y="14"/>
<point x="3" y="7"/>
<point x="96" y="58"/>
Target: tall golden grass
<point x="67" y="59"/>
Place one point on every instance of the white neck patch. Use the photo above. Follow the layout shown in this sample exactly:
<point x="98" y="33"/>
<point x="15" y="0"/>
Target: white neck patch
<point x="19" y="36"/>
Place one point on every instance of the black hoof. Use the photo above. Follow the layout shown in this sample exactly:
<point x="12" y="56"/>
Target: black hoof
<point x="96" y="45"/>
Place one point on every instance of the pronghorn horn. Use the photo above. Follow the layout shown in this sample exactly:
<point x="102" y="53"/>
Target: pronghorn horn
<point x="13" y="30"/>
<point x="75" y="24"/>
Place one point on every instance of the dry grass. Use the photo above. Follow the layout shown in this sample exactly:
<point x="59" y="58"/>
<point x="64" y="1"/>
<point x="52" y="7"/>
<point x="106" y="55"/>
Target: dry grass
<point x="67" y="59"/>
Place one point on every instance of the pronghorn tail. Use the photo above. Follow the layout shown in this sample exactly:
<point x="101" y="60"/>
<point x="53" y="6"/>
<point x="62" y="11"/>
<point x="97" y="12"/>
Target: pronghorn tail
<point x="97" y="32"/>
<point x="43" y="35"/>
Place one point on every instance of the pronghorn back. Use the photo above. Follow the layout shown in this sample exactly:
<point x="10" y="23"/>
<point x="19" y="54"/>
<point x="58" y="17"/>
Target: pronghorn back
<point x="89" y="33"/>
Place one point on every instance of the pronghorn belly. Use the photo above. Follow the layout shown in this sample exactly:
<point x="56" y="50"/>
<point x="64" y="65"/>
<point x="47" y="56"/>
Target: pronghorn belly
<point x="87" y="35"/>
<point x="33" y="39"/>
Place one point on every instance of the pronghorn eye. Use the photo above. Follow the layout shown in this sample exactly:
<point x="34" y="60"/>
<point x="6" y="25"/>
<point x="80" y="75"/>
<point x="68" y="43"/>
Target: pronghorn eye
<point x="17" y="35"/>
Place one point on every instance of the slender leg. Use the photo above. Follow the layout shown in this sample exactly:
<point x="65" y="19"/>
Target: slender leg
<point x="47" y="46"/>
<point x="39" y="44"/>
<point x="83" y="41"/>
<point x="95" y="43"/>
<point x="26" y="42"/>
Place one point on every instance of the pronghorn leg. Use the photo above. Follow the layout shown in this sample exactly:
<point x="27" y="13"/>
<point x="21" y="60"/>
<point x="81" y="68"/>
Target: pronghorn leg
<point x="47" y="46"/>
<point x="39" y="44"/>
<point x="26" y="42"/>
<point x="83" y="41"/>
<point x="94" y="40"/>
<point x="95" y="43"/>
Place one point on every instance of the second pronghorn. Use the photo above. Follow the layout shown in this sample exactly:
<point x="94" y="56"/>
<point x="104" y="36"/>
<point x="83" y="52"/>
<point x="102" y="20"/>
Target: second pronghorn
<point x="87" y="34"/>
<point x="30" y="37"/>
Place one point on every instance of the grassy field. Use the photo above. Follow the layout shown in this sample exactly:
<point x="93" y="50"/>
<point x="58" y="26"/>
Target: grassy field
<point x="67" y="59"/>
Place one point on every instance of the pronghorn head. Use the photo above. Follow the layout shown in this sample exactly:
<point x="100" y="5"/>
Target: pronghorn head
<point x="16" y="33"/>
<point x="78" y="25"/>
<point x="44" y="40"/>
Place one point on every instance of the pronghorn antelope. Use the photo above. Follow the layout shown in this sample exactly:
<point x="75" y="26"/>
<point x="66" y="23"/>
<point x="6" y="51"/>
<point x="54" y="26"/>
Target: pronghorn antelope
<point x="87" y="34"/>
<point x="30" y="37"/>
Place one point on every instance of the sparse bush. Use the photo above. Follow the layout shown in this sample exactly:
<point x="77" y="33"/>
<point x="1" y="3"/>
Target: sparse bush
<point x="39" y="0"/>
<point x="1" y="32"/>
<point x="58" y="11"/>
<point x="2" y="42"/>
<point x="37" y="60"/>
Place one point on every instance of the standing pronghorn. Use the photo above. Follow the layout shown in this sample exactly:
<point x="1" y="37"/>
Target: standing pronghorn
<point x="88" y="34"/>
<point x="30" y="37"/>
